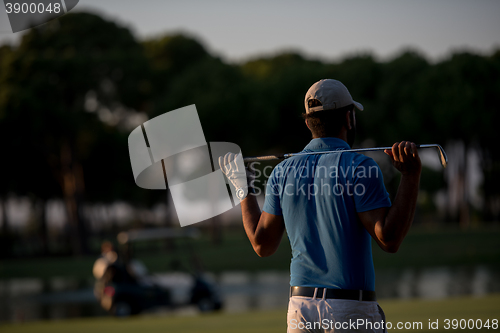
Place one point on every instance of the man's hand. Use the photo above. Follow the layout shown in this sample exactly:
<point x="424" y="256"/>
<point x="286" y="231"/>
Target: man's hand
<point x="241" y="177"/>
<point x="404" y="156"/>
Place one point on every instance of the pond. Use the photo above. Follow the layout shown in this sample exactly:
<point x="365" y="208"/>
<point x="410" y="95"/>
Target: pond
<point x="34" y="299"/>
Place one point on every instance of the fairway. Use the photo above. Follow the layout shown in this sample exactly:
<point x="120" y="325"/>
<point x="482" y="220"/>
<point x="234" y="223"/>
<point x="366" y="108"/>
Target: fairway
<point x="271" y="321"/>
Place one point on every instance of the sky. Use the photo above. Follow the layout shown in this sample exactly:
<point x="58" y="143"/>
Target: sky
<point x="325" y="29"/>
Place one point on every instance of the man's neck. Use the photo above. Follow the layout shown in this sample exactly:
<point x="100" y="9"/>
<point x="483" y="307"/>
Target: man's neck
<point x="342" y="135"/>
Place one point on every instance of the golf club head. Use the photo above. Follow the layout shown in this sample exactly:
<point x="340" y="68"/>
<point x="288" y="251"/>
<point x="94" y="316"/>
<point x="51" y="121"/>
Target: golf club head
<point x="442" y="155"/>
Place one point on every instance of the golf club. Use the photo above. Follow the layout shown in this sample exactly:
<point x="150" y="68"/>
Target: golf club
<point x="442" y="155"/>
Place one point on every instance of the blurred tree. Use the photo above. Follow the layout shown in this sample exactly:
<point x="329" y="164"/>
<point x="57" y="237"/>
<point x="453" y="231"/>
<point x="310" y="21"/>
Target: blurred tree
<point x="5" y="56"/>
<point x="277" y="101"/>
<point x="170" y="57"/>
<point x="185" y="74"/>
<point x="59" y="81"/>
<point x="399" y="111"/>
<point x="5" y="168"/>
<point x="395" y="111"/>
<point x="461" y="94"/>
<point x="490" y="150"/>
<point x="215" y="89"/>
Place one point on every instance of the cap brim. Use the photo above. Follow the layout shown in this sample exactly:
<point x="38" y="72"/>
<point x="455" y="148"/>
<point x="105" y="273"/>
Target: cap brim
<point x="358" y="106"/>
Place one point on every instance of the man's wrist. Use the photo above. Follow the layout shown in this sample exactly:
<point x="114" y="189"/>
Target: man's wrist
<point x="243" y="192"/>
<point x="411" y="176"/>
<point x="412" y="172"/>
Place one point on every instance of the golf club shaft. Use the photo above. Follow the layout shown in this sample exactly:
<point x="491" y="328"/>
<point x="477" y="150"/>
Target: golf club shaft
<point x="442" y="154"/>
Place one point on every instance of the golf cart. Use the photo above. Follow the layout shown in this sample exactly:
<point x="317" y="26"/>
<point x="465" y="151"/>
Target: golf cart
<point x="124" y="287"/>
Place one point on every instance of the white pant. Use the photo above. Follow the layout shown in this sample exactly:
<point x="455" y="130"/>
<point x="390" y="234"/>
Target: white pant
<point x="306" y="314"/>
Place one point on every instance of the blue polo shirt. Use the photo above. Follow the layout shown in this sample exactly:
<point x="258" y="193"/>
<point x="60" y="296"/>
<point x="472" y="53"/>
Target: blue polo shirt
<point x="318" y="196"/>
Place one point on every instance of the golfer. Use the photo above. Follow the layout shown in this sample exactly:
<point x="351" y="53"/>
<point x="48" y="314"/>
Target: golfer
<point x="331" y="205"/>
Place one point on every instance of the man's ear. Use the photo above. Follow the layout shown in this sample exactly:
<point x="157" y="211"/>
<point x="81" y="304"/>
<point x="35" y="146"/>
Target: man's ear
<point x="307" y="124"/>
<point x="348" y="123"/>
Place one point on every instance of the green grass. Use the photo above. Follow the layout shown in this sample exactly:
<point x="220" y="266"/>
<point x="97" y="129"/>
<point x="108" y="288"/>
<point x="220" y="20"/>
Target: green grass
<point x="269" y="321"/>
<point x="452" y="308"/>
<point x="421" y="248"/>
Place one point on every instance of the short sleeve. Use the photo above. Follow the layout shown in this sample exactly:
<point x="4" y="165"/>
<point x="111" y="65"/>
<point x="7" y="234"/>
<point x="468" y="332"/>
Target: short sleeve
<point x="272" y="204"/>
<point x="369" y="190"/>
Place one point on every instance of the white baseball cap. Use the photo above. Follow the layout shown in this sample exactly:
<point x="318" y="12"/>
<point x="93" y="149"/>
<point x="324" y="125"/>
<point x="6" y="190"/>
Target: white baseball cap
<point x="332" y="94"/>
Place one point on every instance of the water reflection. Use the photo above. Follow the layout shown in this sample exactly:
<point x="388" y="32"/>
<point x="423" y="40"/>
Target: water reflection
<point x="439" y="282"/>
<point x="33" y="299"/>
<point x="244" y="291"/>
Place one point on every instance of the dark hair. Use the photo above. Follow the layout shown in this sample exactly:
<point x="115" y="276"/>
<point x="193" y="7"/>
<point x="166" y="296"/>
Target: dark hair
<point x="326" y="123"/>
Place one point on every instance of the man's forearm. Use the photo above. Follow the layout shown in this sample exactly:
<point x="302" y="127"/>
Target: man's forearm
<point x="251" y="213"/>
<point x="263" y="230"/>
<point x="400" y="216"/>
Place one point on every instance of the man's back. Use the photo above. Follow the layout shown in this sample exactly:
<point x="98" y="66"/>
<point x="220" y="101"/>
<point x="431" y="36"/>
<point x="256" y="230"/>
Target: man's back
<point x="329" y="231"/>
<point x="318" y="196"/>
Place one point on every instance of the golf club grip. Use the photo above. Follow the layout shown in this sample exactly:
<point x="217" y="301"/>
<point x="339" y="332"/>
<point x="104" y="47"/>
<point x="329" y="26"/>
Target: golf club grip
<point x="264" y="158"/>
